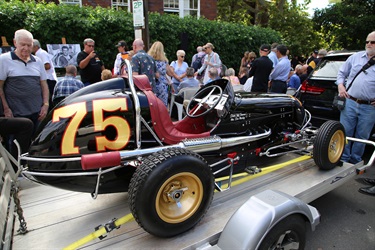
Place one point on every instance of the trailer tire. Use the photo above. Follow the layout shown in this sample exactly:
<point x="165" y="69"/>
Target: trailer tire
<point x="171" y="191"/>
<point x="329" y="145"/>
<point x="289" y="233"/>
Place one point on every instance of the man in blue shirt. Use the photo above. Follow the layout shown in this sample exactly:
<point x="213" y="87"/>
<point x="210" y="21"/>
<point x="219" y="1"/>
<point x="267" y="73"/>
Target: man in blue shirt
<point x="190" y="82"/>
<point x="358" y="117"/>
<point x="66" y="86"/>
<point x="294" y="80"/>
<point x="213" y="75"/>
<point x="272" y="55"/>
<point x="280" y="74"/>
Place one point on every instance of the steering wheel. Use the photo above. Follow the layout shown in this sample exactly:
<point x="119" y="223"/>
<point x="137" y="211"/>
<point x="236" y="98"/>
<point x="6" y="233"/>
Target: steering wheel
<point x="205" y="102"/>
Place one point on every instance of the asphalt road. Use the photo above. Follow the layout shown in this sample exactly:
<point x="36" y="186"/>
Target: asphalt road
<point x="347" y="218"/>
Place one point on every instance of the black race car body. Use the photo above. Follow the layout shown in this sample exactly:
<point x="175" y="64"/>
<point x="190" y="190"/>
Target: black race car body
<point x="117" y="136"/>
<point x="102" y="117"/>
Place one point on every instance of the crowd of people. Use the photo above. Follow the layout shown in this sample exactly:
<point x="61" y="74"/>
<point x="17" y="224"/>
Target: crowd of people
<point x="273" y="71"/>
<point x="29" y="86"/>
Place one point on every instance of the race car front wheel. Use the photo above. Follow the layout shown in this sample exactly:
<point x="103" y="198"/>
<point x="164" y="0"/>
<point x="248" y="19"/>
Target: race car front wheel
<point x="171" y="191"/>
<point x="329" y="145"/>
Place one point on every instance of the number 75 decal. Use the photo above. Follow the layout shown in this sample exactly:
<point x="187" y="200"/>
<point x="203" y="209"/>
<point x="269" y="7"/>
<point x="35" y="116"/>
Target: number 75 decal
<point x="78" y="112"/>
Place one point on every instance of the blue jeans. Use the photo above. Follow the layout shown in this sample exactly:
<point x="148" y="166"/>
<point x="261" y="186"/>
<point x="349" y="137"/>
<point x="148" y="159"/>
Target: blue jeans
<point x="358" y="121"/>
<point x="175" y="87"/>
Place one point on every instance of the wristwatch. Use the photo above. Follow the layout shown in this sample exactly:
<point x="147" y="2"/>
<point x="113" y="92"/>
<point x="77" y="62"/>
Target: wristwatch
<point x="46" y="104"/>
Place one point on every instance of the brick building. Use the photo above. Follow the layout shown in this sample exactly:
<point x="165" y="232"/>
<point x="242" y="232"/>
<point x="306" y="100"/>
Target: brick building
<point x="205" y="8"/>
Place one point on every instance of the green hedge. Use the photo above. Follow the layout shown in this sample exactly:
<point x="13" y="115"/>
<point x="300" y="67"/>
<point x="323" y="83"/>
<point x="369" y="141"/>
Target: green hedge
<point x="50" y="22"/>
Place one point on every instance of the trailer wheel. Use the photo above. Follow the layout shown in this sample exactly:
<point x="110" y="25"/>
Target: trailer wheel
<point x="171" y="191"/>
<point x="290" y="233"/>
<point x="329" y="145"/>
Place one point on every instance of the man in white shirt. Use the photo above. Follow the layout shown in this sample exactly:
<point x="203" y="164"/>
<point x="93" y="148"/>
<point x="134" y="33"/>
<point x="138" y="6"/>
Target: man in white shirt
<point x="48" y="66"/>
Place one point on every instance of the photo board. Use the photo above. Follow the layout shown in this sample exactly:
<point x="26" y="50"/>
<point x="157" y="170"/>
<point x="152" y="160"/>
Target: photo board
<point x="63" y="54"/>
<point x="5" y="49"/>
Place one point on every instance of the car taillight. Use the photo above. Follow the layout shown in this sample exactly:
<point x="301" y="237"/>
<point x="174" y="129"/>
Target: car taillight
<point x="306" y="88"/>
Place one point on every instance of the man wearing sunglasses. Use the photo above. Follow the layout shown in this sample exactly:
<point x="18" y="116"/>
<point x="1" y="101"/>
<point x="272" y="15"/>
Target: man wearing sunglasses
<point x="89" y="63"/>
<point x="358" y="116"/>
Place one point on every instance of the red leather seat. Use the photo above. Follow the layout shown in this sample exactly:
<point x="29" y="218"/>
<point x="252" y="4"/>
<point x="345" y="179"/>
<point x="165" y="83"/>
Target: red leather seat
<point x="167" y="131"/>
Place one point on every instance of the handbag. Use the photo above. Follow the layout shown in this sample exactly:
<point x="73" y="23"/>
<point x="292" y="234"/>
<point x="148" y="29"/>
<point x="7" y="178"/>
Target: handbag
<point x="338" y="101"/>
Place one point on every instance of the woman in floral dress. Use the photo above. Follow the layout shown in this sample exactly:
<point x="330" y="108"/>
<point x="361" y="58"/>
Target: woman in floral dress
<point x="161" y="88"/>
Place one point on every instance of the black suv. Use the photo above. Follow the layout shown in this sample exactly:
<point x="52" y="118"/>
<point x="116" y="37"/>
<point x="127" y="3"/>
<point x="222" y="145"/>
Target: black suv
<point x="318" y="90"/>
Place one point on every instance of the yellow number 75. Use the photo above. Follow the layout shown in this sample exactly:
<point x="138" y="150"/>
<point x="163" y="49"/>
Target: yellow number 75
<point x="78" y="111"/>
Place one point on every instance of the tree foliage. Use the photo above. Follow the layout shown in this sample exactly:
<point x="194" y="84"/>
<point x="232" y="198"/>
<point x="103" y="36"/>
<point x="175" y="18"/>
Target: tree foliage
<point x="292" y="21"/>
<point x="287" y="17"/>
<point x="50" y="22"/>
<point x="346" y="24"/>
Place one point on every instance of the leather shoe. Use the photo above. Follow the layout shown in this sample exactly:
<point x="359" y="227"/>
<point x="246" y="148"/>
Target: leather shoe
<point x="367" y="190"/>
<point x="369" y="181"/>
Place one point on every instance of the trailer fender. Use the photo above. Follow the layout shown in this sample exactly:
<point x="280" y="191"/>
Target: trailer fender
<point x="250" y="224"/>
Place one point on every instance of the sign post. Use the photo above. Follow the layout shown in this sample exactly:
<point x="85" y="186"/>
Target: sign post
<point x="140" y="21"/>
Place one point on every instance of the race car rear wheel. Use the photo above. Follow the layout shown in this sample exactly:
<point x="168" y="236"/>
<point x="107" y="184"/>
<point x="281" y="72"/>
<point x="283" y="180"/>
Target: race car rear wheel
<point x="171" y="191"/>
<point x="329" y="145"/>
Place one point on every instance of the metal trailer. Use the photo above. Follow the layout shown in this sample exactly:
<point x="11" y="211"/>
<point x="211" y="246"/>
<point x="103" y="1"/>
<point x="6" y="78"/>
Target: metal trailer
<point x="64" y="219"/>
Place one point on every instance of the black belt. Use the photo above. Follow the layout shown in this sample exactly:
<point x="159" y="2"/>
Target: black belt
<point x="279" y="81"/>
<point x="359" y="101"/>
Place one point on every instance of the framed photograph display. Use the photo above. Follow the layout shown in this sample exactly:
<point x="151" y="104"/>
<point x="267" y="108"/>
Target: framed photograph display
<point x="5" y="49"/>
<point x="63" y="54"/>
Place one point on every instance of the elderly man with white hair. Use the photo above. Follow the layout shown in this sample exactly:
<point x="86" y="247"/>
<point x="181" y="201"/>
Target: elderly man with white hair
<point x="23" y="87"/>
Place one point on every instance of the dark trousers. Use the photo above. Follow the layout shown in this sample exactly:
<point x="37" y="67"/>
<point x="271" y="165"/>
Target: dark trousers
<point x="34" y="118"/>
<point x="51" y="86"/>
<point x="278" y="87"/>
<point x="20" y="129"/>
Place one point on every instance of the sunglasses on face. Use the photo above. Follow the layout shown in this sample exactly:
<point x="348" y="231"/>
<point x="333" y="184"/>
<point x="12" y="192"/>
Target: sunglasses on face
<point x="372" y="42"/>
<point x="182" y="56"/>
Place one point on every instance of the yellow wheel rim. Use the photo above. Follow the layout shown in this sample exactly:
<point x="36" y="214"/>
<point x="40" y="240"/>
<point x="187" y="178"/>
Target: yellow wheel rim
<point x="336" y="146"/>
<point x="179" y="197"/>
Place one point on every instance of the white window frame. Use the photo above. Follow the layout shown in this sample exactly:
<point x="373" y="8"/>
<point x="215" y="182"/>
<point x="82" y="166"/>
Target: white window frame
<point x="72" y="2"/>
<point x="182" y="7"/>
<point x="121" y="3"/>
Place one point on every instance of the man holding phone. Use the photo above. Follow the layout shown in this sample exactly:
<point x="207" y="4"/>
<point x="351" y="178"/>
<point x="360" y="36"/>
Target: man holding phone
<point x="89" y="63"/>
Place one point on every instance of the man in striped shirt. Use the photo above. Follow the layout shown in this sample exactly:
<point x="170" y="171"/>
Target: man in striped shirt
<point x="23" y="86"/>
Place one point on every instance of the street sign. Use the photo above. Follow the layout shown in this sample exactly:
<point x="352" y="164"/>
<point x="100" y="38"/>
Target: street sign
<point x="138" y="15"/>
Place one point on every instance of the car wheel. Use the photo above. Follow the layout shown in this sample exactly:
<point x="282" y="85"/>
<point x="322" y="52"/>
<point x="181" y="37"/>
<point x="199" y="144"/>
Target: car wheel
<point x="290" y="233"/>
<point x="329" y="145"/>
<point x="171" y="191"/>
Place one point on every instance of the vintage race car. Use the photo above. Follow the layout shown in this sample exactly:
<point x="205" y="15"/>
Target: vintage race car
<point x="117" y="136"/>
